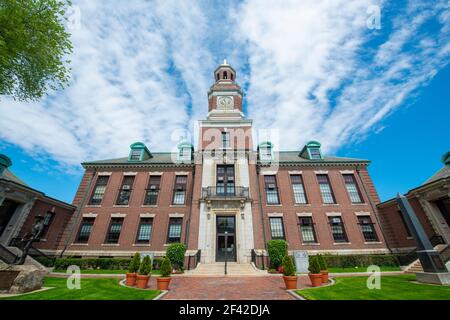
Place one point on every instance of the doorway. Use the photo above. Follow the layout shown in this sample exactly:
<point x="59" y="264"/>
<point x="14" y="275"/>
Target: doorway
<point x="7" y="210"/>
<point x="225" y="238"/>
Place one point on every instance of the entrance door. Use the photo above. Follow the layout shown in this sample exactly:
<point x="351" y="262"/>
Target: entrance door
<point x="225" y="180"/>
<point x="7" y="210"/>
<point x="226" y="238"/>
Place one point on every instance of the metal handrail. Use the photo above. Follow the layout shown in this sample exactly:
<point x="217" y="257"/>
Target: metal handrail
<point x="225" y="192"/>
<point x="197" y="257"/>
<point x="254" y="257"/>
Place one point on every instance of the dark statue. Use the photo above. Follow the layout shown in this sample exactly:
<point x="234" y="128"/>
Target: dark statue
<point x="33" y="236"/>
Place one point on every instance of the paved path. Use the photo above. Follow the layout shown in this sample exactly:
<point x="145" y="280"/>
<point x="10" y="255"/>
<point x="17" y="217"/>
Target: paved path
<point x="231" y="288"/>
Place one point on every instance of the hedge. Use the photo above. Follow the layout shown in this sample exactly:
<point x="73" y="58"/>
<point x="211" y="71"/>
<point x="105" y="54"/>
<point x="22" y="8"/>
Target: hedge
<point x="99" y="263"/>
<point x="364" y="260"/>
<point x="175" y="252"/>
<point x="276" y="249"/>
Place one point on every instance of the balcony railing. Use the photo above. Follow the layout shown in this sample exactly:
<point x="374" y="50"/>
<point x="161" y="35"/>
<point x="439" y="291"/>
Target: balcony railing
<point x="227" y="192"/>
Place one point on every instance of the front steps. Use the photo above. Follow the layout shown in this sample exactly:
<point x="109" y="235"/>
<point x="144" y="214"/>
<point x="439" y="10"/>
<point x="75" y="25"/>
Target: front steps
<point x="218" y="269"/>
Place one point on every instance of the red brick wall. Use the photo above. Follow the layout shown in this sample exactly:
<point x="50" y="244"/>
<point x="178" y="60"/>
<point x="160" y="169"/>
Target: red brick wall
<point x="319" y="210"/>
<point x="54" y="236"/>
<point x="133" y="211"/>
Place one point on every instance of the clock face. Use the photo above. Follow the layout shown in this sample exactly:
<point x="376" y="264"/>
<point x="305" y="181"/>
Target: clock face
<point x="225" y="102"/>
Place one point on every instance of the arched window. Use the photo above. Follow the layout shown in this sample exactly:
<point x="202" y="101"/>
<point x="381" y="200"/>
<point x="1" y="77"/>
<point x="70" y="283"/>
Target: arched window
<point x="231" y="75"/>
<point x="225" y="75"/>
<point x="217" y="76"/>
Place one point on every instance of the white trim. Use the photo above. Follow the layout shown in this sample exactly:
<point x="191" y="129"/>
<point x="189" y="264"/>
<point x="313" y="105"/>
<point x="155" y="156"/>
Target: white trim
<point x="155" y="173"/>
<point x="147" y="215"/>
<point x="347" y="171"/>
<point x="130" y="173"/>
<point x="104" y="173"/>
<point x="321" y="172"/>
<point x="362" y="213"/>
<point x="181" y="173"/>
<point x="295" y="172"/>
<point x="176" y="215"/>
<point x="89" y="215"/>
<point x="118" y="215"/>
<point x="268" y="173"/>
<point x="275" y="214"/>
<point x="333" y="214"/>
<point x="304" y="214"/>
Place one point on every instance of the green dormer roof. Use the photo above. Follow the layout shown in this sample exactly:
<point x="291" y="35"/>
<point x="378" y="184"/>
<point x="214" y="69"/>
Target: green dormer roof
<point x="139" y="146"/>
<point x="311" y="150"/>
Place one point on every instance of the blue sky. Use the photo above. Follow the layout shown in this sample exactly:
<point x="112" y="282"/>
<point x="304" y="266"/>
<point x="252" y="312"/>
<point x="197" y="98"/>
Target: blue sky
<point x="311" y="69"/>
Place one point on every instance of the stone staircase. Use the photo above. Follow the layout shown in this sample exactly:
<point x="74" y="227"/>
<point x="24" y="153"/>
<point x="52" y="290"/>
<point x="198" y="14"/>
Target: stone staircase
<point x="233" y="269"/>
<point x="416" y="266"/>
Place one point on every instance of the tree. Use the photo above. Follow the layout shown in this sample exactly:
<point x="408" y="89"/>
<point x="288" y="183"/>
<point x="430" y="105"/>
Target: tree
<point x="34" y="46"/>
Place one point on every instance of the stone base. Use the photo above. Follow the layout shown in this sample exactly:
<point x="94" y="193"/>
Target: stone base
<point x="30" y="278"/>
<point x="434" y="278"/>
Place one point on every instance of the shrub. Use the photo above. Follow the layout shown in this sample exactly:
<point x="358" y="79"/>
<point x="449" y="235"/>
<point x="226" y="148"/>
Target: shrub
<point x="277" y="249"/>
<point x="166" y="267"/>
<point x="363" y="260"/>
<point x="314" y="266"/>
<point x="146" y="266"/>
<point x="288" y="266"/>
<point x="175" y="253"/>
<point x="135" y="263"/>
<point x="322" y="263"/>
<point x="157" y="263"/>
<point x="93" y="263"/>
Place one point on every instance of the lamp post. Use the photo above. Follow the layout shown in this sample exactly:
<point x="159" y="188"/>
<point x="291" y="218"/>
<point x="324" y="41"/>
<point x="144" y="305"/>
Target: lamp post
<point x="226" y="250"/>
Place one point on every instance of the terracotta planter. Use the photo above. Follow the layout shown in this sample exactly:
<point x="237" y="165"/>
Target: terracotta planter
<point x="163" y="283"/>
<point x="142" y="281"/>
<point x="131" y="279"/>
<point x="324" y="274"/>
<point x="316" y="279"/>
<point x="290" y="282"/>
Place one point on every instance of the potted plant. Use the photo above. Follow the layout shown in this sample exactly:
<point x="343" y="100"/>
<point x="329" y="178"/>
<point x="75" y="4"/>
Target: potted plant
<point x="175" y="252"/>
<point x="132" y="269"/>
<point x="144" y="273"/>
<point x="323" y="268"/>
<point x="277" y="249"/>
<point x="164" y="280"/>
<point x="314" y="272"/>
<point x="289" y="273"/>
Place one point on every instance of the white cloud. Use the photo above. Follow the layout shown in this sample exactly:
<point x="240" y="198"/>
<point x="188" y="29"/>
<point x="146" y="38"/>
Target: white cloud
<point x="141" y="70"/>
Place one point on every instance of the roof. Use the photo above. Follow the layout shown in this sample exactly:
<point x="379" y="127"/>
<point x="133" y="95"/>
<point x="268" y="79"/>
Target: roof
<point x="443" y="173"/>
<point x="166" y="158"/>
<point x="8" y="175"/>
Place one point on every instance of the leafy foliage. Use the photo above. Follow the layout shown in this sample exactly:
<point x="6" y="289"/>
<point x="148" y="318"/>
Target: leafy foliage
<point x="93" y="263"/>
<point x="314" y="266"/>
<point x="166" y="267"/>
<point x="288" y="266"/>
<point x="322" y="263"/>
<point x="135" y="263"/>
<point x="146" y="266"/>
<point x="33" y="47"/>
<point x="175" y="252"/>
<point x="277" y="249"/>
<point x="363" y="260"/>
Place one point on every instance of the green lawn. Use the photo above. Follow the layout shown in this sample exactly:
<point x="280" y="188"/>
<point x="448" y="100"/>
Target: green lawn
<point x="361" y="269"/>
<point x="91" y="289"/>
<point x="399" y="287"/>
<point x="105" y="271"/>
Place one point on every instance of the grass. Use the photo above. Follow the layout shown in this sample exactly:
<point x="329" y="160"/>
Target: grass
<point x="105" y="271"/>
<point x="91" y="289"/>
<point x="401" y="287"/>
<point x="361" y="269"/>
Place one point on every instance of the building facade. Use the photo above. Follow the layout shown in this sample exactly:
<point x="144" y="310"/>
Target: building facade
<point x="431" y="203"/>
<point x="224" y="196"/>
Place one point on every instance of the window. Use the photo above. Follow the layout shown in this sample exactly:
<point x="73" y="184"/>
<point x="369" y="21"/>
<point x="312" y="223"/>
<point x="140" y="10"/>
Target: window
<point x="265" y="153"/>
<point x="185" y="154"/>
<point x="179" y="194"/>
<point x="48" y="219"/>
<point x="337" y="229"/>
<point x="85" y="230"/>
<point x="352" y="188"/>
<point x="298" y="189"/>
<point x="271" y="189"/>
<point x="125" y="190"/>
<point x="225" y="140"/>
<point x="99" y="190"/>
<point x="307" y="230"/>
<point x="136" y="154"/>
<point x="151" y="197"/>
<point x="367" y="229"/>
<point x="315" y="153"/>
<point x="325" y="189"/>
<point x="225" y="75"/>
<point x="115" y="227"/>
<point x="144" y="230"/>
<point x="174" y="233"/>
<point x="276" y="228"/>
<point x="408" y="231"/>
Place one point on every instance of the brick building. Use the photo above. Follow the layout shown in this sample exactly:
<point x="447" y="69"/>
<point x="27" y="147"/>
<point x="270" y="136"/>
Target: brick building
<point x="224" y="189"/>
<point x="431" y="203"/>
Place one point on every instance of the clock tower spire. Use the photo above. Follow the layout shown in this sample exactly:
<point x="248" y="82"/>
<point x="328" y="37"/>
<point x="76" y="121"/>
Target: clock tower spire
<point x="225" y="95"/>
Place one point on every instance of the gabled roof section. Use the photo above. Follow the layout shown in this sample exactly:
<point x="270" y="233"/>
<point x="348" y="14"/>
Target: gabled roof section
<point x="158" y="158"/>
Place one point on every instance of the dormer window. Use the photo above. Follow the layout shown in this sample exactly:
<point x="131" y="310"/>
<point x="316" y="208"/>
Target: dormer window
<point x="139" y="152"/>
<point x="315" y="154"/>
<point x="265" y="151"/>
<point x="135" y="155"/>
<point x="185" y="150"/>
<point x="185" y="154"/>
<point x="312" y="151"/>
